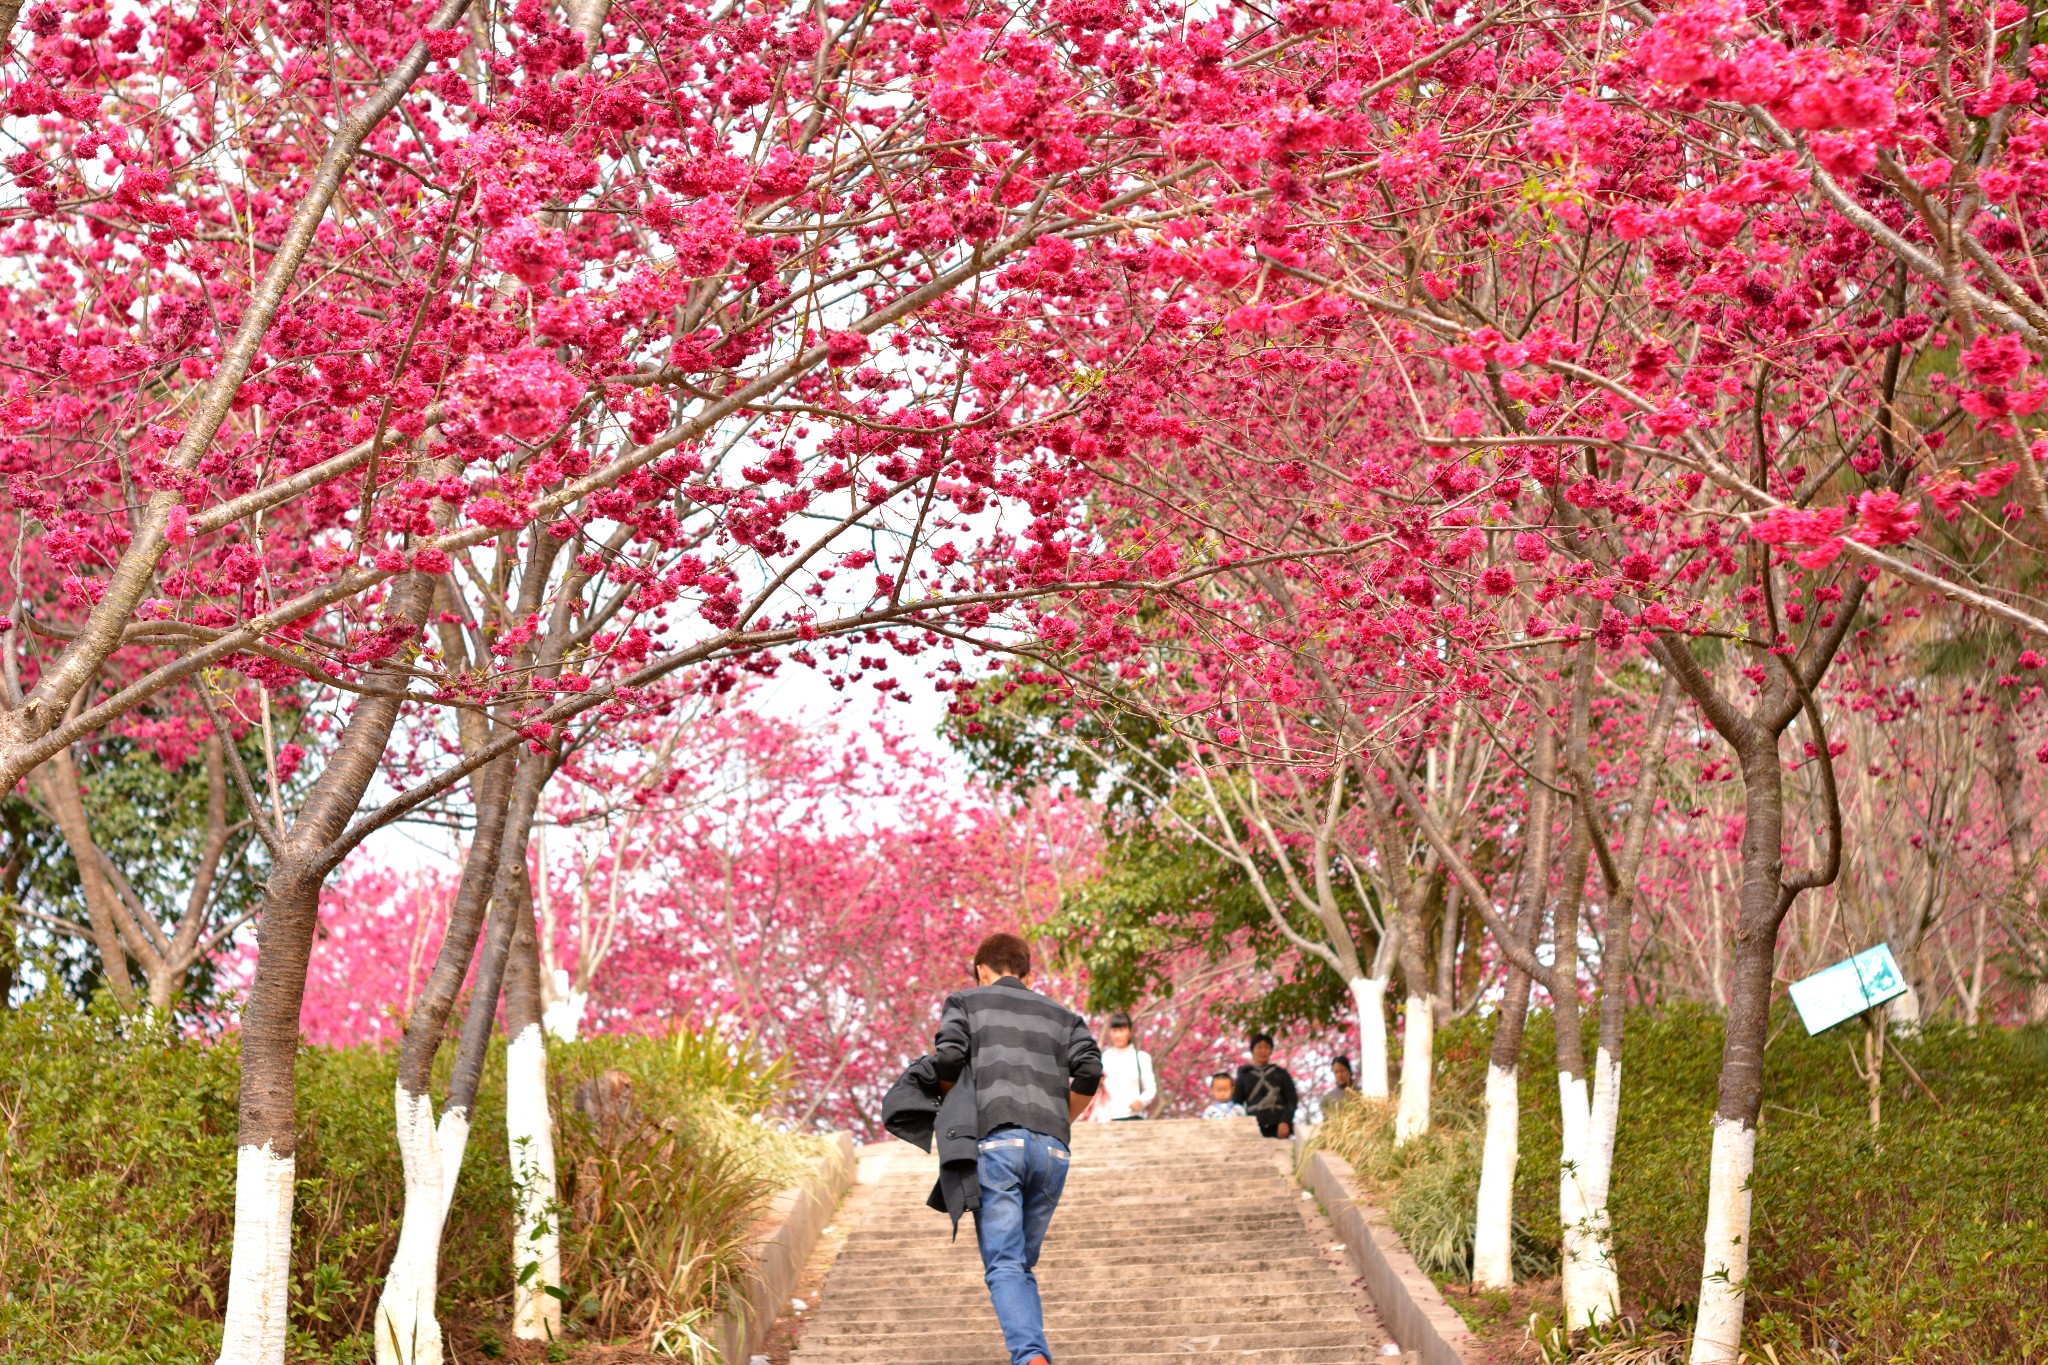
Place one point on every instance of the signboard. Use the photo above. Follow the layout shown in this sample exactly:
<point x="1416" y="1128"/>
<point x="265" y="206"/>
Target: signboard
<point x="1848" y="988"/>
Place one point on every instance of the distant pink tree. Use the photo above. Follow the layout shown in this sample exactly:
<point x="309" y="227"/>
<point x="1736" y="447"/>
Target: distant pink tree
<point x="813" y="892"/>
<point x="379" y="926"/>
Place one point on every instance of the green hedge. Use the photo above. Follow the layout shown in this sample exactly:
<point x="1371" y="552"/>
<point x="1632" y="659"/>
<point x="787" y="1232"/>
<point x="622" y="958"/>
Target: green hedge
<point x="117" y="1158"/>
<point x="1926" y="1242"/>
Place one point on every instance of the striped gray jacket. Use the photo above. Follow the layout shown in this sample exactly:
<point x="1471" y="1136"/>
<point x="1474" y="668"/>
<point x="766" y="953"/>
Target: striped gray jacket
<point x="1025" y="1053"/>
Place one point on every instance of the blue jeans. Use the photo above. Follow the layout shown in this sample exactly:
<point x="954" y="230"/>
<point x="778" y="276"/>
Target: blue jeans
<point x="1022" y="1174"/>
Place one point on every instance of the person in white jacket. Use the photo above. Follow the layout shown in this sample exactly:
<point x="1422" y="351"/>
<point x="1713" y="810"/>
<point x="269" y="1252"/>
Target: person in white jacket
<point x="1129" y="1085"/>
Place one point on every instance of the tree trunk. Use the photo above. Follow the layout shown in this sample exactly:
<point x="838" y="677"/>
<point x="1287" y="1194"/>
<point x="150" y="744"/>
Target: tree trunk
<point x="1588" y="1299"/>
<point x="529" y="1130"/>
<point x="1418" y="1054"/>
<point x="57" y="783"/>
<point x="467" y="1073"/>
<point x="562" y="998"/>
<point x="259" y="1275"/>
<point x="125" y="929"/>
<point x="1447" y="955"/>
<point x="1717" y="1335"/>
<point x="406" y="1330"/>
<point x="1603" y="1283"/>
<point x="466" y="1076"/>
<point x="167" y="970"/>
<point x="1584" y="1303"/>
<point x="10" y="886"/>
<point x="1369" y="994"/>
<point x="1418" y="1040"/>
<point x="1493" y="1243"/>
<point x="1493" y="1263"/>
<point x="562" y="1015"/>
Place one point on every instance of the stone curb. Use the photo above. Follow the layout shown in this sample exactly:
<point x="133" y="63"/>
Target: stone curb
<point x="1408" y="1300"/>
<point x="788" y="1233"/>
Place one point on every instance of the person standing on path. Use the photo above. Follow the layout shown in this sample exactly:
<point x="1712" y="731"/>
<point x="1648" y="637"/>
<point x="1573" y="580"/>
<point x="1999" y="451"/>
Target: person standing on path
<point x="1035" y="1067"/>
<point x="1266" y="1090"/>
<point x="1344" y="1091"/>
<point x="1129" y="1084"/>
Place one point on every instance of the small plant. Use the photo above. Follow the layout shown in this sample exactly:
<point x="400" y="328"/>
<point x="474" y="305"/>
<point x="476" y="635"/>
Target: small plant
<point x="664" y="1174"/>
<point x="489" y="1343"/>
<point x="683" y="1337"/>
<point x="1621" y="1342"/>
<point x="360" y="1348"/>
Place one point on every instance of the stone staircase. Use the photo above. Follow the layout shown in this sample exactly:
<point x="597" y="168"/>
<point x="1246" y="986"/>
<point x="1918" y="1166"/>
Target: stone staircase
<point x="1173" y="1239"/>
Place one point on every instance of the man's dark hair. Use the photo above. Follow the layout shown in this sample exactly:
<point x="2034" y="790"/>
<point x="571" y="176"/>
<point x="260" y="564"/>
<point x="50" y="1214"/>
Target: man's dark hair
<point x="1005" y="955"/>
<point x="1265" y="1038"/>
<point x="1220" y="1076"/>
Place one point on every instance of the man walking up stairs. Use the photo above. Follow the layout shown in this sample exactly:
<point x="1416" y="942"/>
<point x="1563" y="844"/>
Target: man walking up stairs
<point x="1029" y="1066"/>
<point x="1177" y="1238"/>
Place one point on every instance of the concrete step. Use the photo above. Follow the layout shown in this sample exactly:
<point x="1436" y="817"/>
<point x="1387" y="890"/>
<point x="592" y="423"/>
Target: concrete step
<point x="1166" y="1312"/>
<point x="904" y="1352"/>
<point x="1069" y="1262"/>
<point x="1205" y="1175"/>
<point x="1104" y="1253"/>
<point x="1095" y="1294"/>
<point x="1079" y="1338"/>
<point x="1135" y="1211"/>
<point x="1162" y="1314"/>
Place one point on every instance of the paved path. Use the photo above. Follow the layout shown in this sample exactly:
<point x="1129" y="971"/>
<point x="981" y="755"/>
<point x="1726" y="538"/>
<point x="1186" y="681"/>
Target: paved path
<point x="1174" y="1239"/>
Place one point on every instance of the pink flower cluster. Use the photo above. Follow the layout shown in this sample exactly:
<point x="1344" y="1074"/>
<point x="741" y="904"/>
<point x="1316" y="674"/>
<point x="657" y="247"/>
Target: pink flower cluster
<point x="1882" y="518"/>
<point x="533" y="255"/>
<point x="526" y="394"/>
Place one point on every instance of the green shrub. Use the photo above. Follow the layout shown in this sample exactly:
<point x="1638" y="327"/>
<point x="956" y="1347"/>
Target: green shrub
<point x="1430" y="1186"/>
<point x="117" y="1161"/>
<point x="116" y="1182"/>
<point x="1926" y="1242"/>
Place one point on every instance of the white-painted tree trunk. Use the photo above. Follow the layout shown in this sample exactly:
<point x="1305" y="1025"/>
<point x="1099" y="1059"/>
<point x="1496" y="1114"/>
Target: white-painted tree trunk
<point x="1370" y="994"/>
<point x="1904" y="1011"/>
<point x="260" y="1277"/>
<point x="1724" y="1274"/>
<point x="1418" y="1063"/>
<point x="536" y="1247"/>
<point x="1493" y="1248"/>
<point x="562" y="1017"/>
<point x="1599" y="1282"/>
<point x="452" y="1138"/>
<point x="1586" y="1270"/>
<point x="406" y="1331"/>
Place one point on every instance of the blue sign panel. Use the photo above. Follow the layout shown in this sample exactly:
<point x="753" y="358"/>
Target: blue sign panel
<point x="1846" y="989"/>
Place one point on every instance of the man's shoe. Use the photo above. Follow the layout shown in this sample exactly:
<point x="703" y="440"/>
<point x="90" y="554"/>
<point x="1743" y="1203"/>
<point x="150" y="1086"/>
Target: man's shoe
<point x="1038" y="1360"/>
